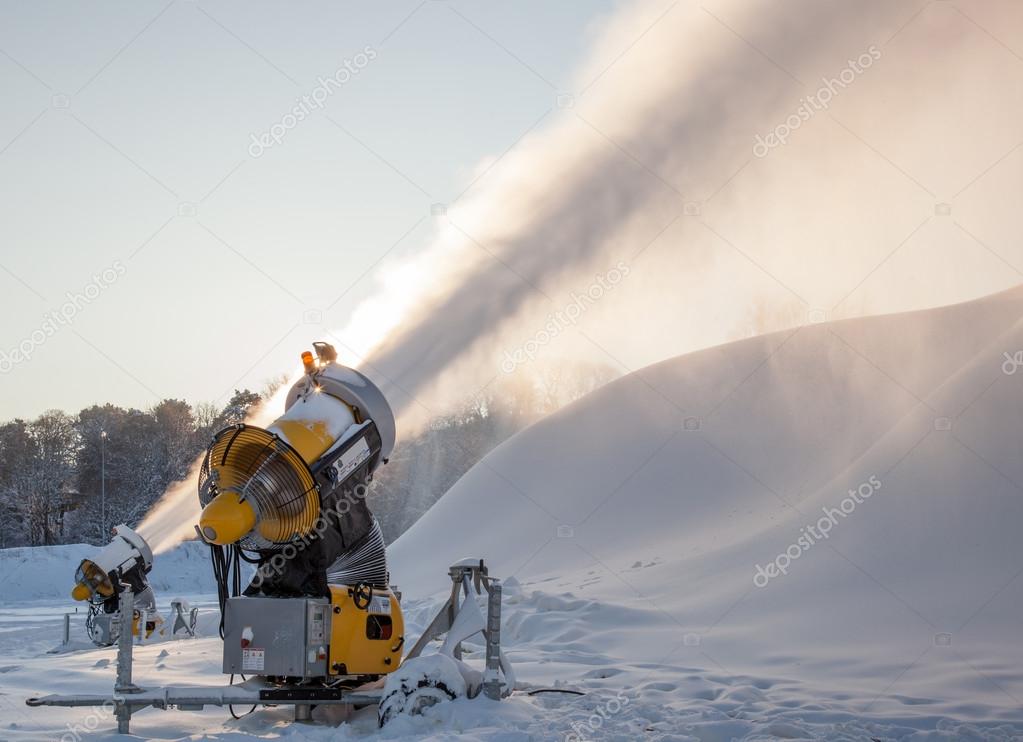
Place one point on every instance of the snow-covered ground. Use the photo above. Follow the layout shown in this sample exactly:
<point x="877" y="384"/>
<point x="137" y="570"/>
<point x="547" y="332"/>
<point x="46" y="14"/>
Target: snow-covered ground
<point x="664" y="548"/>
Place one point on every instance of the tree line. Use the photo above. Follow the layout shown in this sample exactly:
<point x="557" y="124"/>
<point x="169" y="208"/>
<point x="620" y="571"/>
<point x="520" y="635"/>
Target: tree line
<point x="70" y="478"/>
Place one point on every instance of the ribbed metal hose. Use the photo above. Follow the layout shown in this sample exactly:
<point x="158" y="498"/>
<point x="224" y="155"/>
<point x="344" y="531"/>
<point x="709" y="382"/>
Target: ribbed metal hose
<point x="364" y="562"/>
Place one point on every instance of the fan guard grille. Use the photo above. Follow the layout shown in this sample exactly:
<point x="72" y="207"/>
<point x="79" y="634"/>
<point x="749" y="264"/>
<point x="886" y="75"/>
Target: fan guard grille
<point x="270" y="475"/>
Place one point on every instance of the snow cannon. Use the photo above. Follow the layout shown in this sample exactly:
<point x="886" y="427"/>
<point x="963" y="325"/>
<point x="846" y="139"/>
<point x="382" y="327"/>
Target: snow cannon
<point x="127" y="557"/>
<point x="292" y="498"/>
<point x="126" y="560"/>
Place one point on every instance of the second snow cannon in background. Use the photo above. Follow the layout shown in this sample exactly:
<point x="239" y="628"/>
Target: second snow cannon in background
<point x="126" y="560"/>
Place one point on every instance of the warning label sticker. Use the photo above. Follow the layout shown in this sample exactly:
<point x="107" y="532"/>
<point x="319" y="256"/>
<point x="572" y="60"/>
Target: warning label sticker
<point x="380" y="604"/>
<point x="252" y="659"/>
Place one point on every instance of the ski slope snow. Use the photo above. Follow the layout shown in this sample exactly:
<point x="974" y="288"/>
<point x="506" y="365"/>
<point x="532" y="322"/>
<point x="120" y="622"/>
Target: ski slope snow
<point x="649" y="507"/>
<point x="658" y="549"/>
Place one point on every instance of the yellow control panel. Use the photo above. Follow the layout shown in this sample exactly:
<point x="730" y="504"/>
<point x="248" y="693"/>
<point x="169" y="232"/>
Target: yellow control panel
<point x="367" y="632"/>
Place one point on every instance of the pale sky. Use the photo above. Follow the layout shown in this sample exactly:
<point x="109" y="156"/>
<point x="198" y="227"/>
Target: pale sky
<point x="125" y="146"/>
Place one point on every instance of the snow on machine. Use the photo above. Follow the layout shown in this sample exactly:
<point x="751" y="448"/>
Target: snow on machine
<point x="319" y="622"/>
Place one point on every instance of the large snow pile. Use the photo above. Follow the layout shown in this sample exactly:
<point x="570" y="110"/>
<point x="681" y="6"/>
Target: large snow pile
<point x="835" y="508"/>
<point x="47" y="572"/>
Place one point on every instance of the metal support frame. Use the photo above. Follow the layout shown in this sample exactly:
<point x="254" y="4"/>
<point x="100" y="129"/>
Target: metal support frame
<point x="469" y="578"/>
<point x="492" y="676"/>
<point x="180" y="622"/>
<point x="195" y="698"/>
<point x="123" y="685"/>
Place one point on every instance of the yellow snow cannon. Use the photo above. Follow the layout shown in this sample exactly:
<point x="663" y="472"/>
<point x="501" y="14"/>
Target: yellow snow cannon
<point x="293" y="496"/>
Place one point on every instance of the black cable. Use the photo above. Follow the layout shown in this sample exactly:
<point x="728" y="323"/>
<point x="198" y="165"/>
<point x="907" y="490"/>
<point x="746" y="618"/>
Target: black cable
<point x="245" y="557"/>
<point x="231" y="708"/>
<point x="222" y="563"/>
<point x="236" y="566"/>
<point x="217" y="560"/>
<point x="228" y="574"/>
<point x="555" y="690"/>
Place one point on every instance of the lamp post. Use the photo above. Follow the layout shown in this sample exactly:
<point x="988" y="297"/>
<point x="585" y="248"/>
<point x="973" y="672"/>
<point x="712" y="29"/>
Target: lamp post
<point x="103" y="484"/>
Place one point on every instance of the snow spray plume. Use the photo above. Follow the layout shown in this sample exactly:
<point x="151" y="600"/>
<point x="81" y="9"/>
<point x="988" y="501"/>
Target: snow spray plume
<point x="596" y="184"/>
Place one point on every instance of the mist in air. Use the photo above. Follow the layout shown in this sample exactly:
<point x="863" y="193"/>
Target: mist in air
<point x="655" y="164"/>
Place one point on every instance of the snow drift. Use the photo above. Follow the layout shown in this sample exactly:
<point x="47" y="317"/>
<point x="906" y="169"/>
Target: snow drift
<point x="668" y="492"/>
